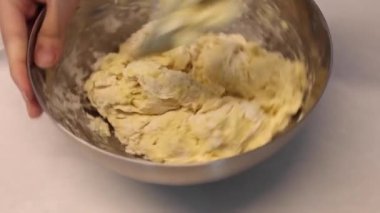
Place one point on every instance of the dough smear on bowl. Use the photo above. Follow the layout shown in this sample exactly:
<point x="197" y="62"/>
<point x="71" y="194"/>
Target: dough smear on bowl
<point x="217" y="97"/>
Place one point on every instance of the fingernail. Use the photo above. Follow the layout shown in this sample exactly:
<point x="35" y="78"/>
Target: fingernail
<point x="45" y="56"/>
<point x="34" y="111"/>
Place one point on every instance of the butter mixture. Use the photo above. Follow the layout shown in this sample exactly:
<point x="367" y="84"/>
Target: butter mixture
<point x="214" y="98"/>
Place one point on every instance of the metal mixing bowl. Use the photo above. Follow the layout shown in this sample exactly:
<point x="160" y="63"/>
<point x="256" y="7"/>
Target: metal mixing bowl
<point x="295" y="28"/>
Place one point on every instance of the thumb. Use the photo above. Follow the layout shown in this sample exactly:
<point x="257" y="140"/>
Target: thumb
<point x="51" y="36"/>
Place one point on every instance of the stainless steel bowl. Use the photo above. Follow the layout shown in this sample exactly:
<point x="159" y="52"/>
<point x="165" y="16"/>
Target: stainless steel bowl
<point x="100" y="25"/>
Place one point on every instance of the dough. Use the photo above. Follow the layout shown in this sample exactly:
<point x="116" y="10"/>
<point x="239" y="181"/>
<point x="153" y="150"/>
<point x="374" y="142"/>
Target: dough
<point x="99" y="126"/>
<point x="181" y="22"/>
<point x="215" y="98"/>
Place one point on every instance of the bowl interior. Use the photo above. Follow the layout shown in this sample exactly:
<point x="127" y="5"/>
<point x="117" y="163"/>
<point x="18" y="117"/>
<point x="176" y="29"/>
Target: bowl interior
<point x="296" y="28"/>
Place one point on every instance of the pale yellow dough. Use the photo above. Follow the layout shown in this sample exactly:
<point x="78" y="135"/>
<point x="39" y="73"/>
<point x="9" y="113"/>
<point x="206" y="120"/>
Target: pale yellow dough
<point x="181" y="22"/>
<point x="217" y="97"/>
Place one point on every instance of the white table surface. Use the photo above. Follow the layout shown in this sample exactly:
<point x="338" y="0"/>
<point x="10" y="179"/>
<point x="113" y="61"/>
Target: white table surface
<point x="332" y="166"/>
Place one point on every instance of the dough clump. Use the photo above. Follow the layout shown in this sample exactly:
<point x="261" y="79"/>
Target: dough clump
<point x="217" y="97"/>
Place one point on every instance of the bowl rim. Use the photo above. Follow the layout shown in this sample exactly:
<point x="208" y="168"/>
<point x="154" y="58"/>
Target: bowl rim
<point x="30" y="65"/>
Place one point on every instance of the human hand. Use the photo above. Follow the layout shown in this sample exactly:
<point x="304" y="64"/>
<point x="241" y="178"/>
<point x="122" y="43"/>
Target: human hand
<point x="14" y="15"/>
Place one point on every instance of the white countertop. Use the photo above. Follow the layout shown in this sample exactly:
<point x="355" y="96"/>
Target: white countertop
<point x="332" y="166"/>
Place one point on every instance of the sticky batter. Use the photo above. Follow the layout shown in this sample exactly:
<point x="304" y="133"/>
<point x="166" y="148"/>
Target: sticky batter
<point x="217" y="97"/>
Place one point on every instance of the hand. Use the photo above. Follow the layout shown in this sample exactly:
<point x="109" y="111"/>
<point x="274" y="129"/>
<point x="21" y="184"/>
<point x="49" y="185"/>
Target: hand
<point x="14" y="15"/>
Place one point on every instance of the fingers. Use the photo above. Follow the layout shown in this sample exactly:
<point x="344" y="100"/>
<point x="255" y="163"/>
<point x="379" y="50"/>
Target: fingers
<point x="50" y="40"/>
<point x="15" y="40"/>
<point x="13" y="17"/>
